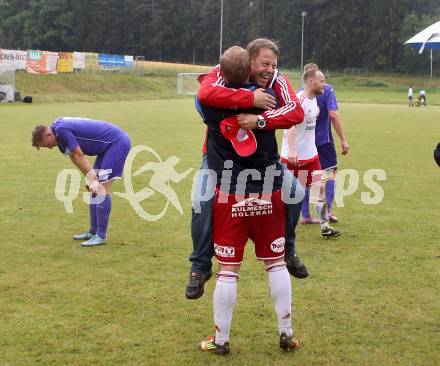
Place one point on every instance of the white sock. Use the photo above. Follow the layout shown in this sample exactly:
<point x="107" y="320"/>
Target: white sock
<point x="225" y="298"/>
<point x="281" y="293"/>
<point x="321" y="210"/>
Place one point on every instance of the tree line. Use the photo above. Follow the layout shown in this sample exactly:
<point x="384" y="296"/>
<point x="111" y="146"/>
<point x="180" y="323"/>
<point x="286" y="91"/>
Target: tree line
<point x="338" y="34"/>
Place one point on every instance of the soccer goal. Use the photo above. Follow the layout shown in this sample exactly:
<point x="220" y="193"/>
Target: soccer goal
<point x="7" y="83"/>
<point x="139" y="65"/>
<point x="187" y="83"/>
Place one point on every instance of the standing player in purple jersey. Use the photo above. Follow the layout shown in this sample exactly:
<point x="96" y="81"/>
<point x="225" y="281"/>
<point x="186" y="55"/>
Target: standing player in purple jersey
<point x="78" y="137"/>
<point x="328" y="116"/>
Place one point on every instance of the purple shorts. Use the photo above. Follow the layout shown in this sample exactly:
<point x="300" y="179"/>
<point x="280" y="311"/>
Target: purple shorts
<point x="327" y="156"/>
<point x="111" y="163"/>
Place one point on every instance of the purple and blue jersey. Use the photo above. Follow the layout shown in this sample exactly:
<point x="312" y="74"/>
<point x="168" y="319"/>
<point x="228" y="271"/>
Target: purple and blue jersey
<point x="92" y="136"/>
<point x="107" y="141"/>
<point x="326" y="103"/>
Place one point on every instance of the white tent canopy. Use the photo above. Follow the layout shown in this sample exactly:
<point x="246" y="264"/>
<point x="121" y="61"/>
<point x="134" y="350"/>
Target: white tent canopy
<point x="428" y="38"/>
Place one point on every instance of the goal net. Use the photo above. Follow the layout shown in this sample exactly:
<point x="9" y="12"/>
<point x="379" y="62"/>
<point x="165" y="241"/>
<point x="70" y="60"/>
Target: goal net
<point x="187" y="83"/>
<point x="7" y="83"/>
<point x="139" y="65"/>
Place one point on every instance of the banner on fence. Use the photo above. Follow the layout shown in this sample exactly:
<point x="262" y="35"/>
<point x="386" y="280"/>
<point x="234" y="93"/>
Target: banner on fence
<point x="13" y="58"/>
<point x="33" y="65"/>
<point x="41" y="62"/>
<point x="65" y="62"/>
<point x="128" y="61"/>
<point x="79" y="60"/>
<point x="51" y="61"/>
<point x="111" y="62"/>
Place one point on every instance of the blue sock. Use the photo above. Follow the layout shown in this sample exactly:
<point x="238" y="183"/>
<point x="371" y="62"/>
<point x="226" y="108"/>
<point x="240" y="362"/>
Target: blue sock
<point x="305" y="204"/>
<point x="103" y="214"/>
<point x="330" y="193"/>
<point x="93" y="223"/>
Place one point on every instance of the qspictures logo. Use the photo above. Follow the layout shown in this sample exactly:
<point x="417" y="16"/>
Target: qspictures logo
<point x="162" y="175"/>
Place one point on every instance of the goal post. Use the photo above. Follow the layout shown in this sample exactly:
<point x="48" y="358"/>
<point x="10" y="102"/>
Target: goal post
<point x="7" y="83"/>
<point x="187" y="83"/>
<point x="139" y="65"/>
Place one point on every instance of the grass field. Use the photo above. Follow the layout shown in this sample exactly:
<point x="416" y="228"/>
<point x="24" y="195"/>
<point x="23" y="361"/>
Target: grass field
<point x="160" y="83"/>
<point x="372" y="297"/>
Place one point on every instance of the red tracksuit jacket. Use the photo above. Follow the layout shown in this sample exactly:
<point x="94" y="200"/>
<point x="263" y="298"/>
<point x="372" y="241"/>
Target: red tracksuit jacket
<point x="213" y="92"/>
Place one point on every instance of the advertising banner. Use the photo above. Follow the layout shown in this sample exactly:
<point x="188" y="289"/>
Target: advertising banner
<point x="128" y="61"/>
<point x="14" y="58"/>
<point x="34" y="62"/>
<point x="65" y="62"/>
<point x="79" y="60"/>
<point x="111" y="62"/>
<point x="51" y="61"/>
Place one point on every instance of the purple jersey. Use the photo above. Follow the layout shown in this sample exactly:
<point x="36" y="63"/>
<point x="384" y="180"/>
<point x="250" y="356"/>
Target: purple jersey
<point x="92" y="136"/>
<point x="326" y="103"/>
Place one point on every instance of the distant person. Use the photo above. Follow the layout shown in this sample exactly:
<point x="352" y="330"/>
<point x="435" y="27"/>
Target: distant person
<point x="410" y="97"/>
<point x="328" y="117"/>
<point x="422" y="98"/>
<point x="78" y="137"/>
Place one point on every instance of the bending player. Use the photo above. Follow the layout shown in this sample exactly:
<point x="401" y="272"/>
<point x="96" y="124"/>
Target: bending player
<point x="299" y="150"/>
<point x="246" y="207"/>
<point x="78" y="137"/>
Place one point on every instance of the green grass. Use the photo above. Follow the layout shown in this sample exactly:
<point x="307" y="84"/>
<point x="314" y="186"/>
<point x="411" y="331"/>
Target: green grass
<point x="372" y="297"/>
<point x="92" y="87"/>
<point x="379" y="89"/>
<point x="95" y="87"/>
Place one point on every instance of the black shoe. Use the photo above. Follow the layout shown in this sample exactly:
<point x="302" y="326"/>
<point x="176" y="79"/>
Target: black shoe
<point x="196" y="284"/>
<point x="288" y="343"/>
<point x="329" y="232"/>
<point x="210" y="346"/>
<point x="295" y="267"/>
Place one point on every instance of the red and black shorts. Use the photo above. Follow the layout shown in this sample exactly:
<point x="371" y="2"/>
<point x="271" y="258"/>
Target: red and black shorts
<point x="259" y="219"/>
<point x="307" y="174"/>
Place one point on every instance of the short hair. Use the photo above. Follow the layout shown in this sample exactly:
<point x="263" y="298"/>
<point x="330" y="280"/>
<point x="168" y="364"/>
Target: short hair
<point x="258" y="44"/>
<point x="309" y="74"/>
<point x="37" y="135"/>
<point x="310" y="66"/>
<point x="235" y="65"/>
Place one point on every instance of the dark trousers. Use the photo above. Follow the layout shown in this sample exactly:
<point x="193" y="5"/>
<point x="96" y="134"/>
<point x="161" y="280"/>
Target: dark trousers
<point x="201" y="222"/>
<point x="292" y="210"/>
